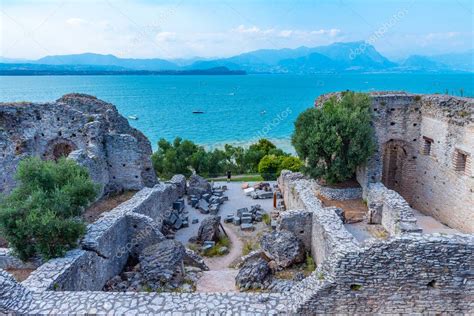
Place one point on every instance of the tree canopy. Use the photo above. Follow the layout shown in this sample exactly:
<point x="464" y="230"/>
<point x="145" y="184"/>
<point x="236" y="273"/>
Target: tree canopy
<point x="184" y="157"/>
<point x="335" y="138"/>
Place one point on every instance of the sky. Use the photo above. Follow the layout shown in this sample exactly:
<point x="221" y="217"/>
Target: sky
<point x="175" y="29"/>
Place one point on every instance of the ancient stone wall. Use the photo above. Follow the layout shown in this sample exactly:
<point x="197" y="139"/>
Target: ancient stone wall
<point x="425" y="147"/>
<point x="408" y="273"/>
<point x="388" y="208"/>
<point x="9" y="261"/>
<point x="81" y="127"/>
<point x="108" y="242"/>
<point x="300" y="223"/>
<point x="340" y="194"/>
<point x="328" y="234"/>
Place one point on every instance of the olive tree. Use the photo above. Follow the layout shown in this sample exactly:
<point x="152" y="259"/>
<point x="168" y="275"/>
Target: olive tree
<point x="335" y="138"/>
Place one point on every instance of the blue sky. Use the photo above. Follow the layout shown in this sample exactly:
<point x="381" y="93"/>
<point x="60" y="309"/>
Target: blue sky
<point x="183" y="29"/>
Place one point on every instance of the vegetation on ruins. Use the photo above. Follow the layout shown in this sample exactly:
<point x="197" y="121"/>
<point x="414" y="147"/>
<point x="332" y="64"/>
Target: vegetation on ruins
<point x="270" y="166"/>
<point x="184" y="157"/>
<point x="335" y="138"/>
<point x="42" y="215"/>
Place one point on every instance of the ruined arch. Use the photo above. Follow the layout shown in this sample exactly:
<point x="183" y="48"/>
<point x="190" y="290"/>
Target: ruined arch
<point x="398" y="171"/>
<point x="59" y="147"/>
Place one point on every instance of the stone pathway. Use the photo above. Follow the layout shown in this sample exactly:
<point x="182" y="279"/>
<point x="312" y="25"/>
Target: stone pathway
<point x="221" y="278"/>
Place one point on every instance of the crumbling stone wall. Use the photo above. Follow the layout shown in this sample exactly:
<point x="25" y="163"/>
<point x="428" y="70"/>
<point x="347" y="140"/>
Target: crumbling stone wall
<point x="328" y="234"/>
<point x="425" y="148"/>
<point x="80" y="127"/>
<point x="300" y="223"/>
<point x="408" y="273"/>
<point x="340" y="194"/>
<point x="108" y="242"/>
<point x="14" y="298"/>
<point x="388" y="208"/>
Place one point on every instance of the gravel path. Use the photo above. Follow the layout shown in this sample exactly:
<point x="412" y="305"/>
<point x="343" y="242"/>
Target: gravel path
<point x="221" y="278"/>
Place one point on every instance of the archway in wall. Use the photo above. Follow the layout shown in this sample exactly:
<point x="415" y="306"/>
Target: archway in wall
<point x="399" y="168"/>
<point x="59" y="148"/>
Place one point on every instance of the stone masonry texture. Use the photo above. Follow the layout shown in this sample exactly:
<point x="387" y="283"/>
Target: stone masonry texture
<point x="86" y="129"/>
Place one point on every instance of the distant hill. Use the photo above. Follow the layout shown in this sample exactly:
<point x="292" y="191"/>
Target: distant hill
<point x="337" y="57"/>
<point x="108" y="60"/>
<point x="26" y="69"/>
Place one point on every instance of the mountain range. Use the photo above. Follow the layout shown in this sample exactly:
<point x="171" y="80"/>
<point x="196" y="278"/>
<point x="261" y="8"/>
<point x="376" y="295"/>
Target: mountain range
<point x="337" y="57"/>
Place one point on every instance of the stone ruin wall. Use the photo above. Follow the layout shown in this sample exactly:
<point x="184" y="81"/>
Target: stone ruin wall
<point x="408" y="273"/>
<point x="430" y="183"/>
<point x="86" y="129"/>
<point x="104" y="250"/>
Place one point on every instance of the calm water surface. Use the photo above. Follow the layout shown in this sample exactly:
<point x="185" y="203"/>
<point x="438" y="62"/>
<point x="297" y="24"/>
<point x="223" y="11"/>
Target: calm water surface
<point x="237" y="109"/>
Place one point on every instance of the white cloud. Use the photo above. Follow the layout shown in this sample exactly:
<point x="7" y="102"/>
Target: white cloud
<point x="285" y="33"/>
<point x="165" y="36"/>
<point x="330" y="32"/>
<point x="76" y="21"/>
<point x="441" y="36"/>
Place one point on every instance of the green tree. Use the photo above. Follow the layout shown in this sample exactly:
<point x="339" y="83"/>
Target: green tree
<point x="174" y="158"/>
<point x="336" y="138"/>
<point x="269" y="167"/>
<point x="257" y="151"/>
<point x="290" y="163"/>
<point x="41" y="216"/>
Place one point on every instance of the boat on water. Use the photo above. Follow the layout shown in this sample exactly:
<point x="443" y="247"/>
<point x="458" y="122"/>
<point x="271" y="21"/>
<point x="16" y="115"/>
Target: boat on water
<point x="133" y="117"/>
<point x="198" y="112"/>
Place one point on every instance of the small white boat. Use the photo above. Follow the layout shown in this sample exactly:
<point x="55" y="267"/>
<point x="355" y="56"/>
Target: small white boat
<point x="263" y="112"/>
<point x="133" y="117"/>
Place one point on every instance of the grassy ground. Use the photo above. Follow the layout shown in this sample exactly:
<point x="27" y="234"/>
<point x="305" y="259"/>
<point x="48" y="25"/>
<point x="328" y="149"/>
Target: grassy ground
<point x="240" y="178"/>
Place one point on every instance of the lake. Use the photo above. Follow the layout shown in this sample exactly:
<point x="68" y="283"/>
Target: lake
<point x="237" y="109"/>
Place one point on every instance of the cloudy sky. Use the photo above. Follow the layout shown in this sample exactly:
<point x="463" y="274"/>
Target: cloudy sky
<point x="182" y="29"/>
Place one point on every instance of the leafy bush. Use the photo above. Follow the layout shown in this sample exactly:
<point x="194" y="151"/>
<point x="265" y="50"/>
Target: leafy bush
<point x="291" y="163"/>
<point x="41" y="215"/>
<point x="336" y="138"/>
<point x="270" y="166"/>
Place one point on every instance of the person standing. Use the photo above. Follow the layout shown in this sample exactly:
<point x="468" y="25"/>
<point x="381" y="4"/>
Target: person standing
<point x="229" y="175"/>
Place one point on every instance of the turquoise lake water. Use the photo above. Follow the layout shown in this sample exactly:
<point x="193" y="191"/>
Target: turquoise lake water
<point x="238" y="109"/>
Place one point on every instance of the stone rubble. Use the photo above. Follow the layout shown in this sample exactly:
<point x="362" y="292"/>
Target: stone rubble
<point x="282" y="247"/>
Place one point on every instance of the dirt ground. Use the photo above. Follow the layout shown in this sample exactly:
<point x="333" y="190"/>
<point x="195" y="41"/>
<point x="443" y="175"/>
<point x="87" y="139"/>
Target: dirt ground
<point x="20" y="274"/>
<point x="106" y="204"/>
<point x="354" y="210"/>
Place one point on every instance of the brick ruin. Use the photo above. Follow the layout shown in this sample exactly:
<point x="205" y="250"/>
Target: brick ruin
<point x="425" y="149"/>
<point x="408" y="271"/>
<point x="80" y="127"/>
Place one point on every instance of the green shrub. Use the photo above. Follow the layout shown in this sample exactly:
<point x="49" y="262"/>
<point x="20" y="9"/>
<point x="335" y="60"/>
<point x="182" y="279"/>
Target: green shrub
<point x="269" y="167"/>
<point x="291" y="163"/>
<point x="248" y="248"/>
<point x="310" y="265"/>
<point x="42" y="214"/>
<point x="336" y="138"/>
<point x="223" y="241"/>
<point x="266" y="219"/>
